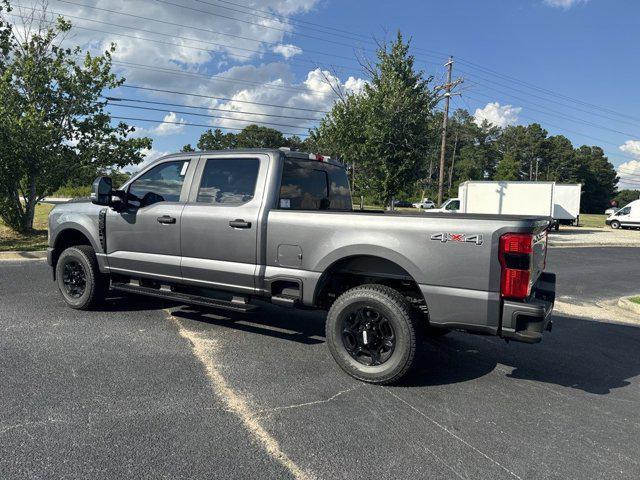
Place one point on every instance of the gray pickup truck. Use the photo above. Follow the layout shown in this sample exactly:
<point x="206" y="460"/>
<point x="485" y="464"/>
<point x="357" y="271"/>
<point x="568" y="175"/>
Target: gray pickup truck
<point x="223" y="229"/>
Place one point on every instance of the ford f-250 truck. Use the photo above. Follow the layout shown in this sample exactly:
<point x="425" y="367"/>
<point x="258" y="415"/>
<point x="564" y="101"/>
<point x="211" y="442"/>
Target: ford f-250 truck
<point x="222" y="229"/>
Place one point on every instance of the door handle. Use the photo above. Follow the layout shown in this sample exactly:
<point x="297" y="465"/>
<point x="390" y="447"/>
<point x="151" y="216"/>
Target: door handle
<point x="166" y="219"/>
<point x="239" y="223"/>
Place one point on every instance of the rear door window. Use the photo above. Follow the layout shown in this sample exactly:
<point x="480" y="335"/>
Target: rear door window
<point x="309" y="185"/>
<point x="303" y="187"/>
<point x="229" y="181"/>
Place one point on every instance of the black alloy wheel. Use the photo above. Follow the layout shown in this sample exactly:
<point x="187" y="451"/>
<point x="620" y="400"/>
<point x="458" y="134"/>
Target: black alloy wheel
<point x="74" y="278"/>
<point x="368" y="335"/>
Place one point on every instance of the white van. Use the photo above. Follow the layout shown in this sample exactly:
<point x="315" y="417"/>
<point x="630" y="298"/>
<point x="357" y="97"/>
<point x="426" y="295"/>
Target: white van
<point x="450" y="206"/>
<point x="628" y="216"/>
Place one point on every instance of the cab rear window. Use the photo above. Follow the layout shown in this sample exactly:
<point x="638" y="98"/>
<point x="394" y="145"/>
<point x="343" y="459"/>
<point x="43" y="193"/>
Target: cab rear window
<point x="312" y="185"/>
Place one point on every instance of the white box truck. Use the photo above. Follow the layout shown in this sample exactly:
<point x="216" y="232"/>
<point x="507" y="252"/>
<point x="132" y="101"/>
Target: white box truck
<point x="566" y="203"/>
<point x="549" y="199"/>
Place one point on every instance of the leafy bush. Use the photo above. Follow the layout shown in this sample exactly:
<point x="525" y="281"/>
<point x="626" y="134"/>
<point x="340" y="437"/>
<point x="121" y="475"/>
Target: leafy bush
<point x="72" y="192"/>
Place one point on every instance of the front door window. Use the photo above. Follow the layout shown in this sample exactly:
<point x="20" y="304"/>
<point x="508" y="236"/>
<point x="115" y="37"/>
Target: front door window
<point x="163" y="183"/>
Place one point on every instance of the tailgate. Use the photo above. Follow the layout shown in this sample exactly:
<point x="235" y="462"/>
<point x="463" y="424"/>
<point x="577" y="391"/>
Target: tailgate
<point x="539" y="255"/>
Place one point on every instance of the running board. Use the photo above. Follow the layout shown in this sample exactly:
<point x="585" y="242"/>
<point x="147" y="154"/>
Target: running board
<point x="166" y="294"/>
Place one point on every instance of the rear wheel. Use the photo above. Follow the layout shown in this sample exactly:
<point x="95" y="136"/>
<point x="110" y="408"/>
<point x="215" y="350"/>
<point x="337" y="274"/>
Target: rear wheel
<point x="372" y="334"/>
<point x="615" y="224"/>
<point x="79" y="279"/>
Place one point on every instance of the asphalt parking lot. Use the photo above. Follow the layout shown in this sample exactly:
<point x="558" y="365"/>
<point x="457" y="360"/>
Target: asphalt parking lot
<point x="146" y="389"/>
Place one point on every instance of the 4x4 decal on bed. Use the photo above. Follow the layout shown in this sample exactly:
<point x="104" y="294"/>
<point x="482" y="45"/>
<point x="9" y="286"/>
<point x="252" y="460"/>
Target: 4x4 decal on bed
<point x="457" y="237"/>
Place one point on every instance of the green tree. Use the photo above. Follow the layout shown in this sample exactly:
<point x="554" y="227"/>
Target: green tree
<point x="559" y="162"/>
<point x="254" y="136"/>
<point x="526" y="145"/>
<point x="624" y="197"/>
<point x="598" y="176"/>
<point x="216" y="140"/>
<point x="385" y="130"/>
<point x="53" y="122"/>
<point x="508" y="169"/>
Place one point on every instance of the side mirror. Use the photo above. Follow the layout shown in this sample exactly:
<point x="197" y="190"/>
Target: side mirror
<point x="102" y="191"/>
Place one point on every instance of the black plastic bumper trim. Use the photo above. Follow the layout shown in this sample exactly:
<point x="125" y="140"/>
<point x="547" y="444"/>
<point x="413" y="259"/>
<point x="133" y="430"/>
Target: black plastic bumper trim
<point x="526" y="321"/>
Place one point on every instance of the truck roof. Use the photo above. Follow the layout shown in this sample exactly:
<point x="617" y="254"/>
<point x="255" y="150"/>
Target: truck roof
<point x="291" y="154"/>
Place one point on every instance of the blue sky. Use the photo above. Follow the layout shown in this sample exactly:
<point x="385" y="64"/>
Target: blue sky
<point x="570" y="65"/>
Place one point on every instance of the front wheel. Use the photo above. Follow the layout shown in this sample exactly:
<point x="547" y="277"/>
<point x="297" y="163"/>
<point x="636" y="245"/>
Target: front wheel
<point x="372" y="334"/>
<point x="79" y="279"/>
<point x="615" y="224"/>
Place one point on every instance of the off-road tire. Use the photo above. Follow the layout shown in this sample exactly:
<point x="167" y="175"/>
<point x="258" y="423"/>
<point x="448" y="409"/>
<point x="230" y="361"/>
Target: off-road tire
<point x="400" y="315"/>
<point x="96" y="283"/>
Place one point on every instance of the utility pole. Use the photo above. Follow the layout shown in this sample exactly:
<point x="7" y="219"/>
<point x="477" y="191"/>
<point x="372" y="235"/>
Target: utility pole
<point x="445" y="120"/>
<point x="453" y="160"/>
<point x="537" y="166"/>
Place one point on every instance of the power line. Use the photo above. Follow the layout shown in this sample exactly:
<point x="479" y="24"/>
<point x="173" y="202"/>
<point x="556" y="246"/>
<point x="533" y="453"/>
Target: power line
<point x="189" y="124"/>
<point x="190" y="27"/>
<point x="215" y="78"/>
<point x="306" y="22"/>
<point x="469" y="63"/>
<point x="154" y="109"/>
<point x="558" y="114"/>
<point x="174" y="92"/>
<point x="151" y="102"/>
<point x="562" y="128"/>
<point x="161" y="42"/>
<point x="547" y="99"/>
<point x="541" y="89"/>
<point x="228" y="46"/>
<point x="284" y="30"/>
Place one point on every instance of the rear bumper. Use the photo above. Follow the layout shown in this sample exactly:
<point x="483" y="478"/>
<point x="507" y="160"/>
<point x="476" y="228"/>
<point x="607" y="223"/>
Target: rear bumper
<point x="526" y="321"/>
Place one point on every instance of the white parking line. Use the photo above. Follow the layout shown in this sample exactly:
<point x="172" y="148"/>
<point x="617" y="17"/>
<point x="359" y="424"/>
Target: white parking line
<point x="205" y="349"/>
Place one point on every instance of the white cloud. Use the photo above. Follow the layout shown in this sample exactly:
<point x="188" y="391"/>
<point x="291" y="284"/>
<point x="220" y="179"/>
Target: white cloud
<point x="313" y="94"/>
<point x="565" y="4"/>
<point x="498" y="115"/>
<point x="173" y="126"/>
<point x="189" y="35"/>
<point x="632" y="147"/>
<point x="208" y="70"/>
<point x="355" y="85"/>
<point x="629" y="172"/>
<point x="149" y="155"/>
<point x="287" y="51"/>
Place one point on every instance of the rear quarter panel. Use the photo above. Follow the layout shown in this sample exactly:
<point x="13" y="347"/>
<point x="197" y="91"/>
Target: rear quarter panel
<point x="325" y="237"/>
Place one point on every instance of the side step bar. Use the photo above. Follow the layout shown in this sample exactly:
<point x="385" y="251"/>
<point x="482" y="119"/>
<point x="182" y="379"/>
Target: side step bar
<point x="285" y="301"/>
<point x="166" y="294"/>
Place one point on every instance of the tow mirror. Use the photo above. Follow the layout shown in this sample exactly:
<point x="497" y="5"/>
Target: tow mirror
<point x="102" y="191"/>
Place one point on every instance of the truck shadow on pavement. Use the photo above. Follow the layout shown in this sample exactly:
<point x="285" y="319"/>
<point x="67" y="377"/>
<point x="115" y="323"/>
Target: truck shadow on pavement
<point x="305" y="327"/>
<point x="595" y="357"/>
<point x="117" y="302"/>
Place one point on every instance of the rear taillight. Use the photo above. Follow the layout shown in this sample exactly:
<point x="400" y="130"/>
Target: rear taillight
<point x="516" y="250"/>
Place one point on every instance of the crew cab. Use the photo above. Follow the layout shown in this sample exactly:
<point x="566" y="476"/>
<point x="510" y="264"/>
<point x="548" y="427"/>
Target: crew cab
<point x="225" y="229"/>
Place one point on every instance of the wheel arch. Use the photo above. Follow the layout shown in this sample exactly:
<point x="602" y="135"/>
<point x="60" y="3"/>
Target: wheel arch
<point x="69" y="236"/>
<point x="349" y="271"/>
